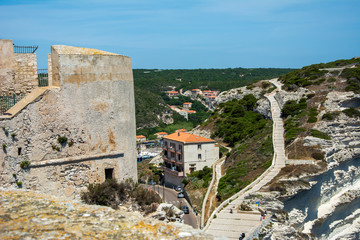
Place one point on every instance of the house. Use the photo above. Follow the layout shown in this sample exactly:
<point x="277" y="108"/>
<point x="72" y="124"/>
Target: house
<point x="184" y="153"/>
<point x="181" y="130"/>
<point x="140" y="138"/>
<point x="173" y="93"/>
<point x="195" y="92"/>
<point x="160" y="135"/>
<point x="187" y="105"/>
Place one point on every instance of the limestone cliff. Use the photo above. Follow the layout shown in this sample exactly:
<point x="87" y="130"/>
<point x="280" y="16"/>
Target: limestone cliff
<point x="30" y="215"/>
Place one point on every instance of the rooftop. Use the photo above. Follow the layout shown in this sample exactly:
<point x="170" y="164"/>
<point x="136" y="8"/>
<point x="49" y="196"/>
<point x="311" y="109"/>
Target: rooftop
<point x="187" y="138"/>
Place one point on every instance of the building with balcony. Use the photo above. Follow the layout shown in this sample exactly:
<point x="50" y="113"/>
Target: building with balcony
<point x="184" y="153"/>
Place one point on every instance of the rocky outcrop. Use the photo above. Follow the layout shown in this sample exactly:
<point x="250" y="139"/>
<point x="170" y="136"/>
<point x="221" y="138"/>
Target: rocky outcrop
<point x="29" y="215"/>
<point x="263" y="105"/>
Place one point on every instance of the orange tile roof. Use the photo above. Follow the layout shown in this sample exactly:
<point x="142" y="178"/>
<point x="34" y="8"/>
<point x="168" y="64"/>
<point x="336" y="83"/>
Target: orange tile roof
<point x="140" y="136"/>
<point x="187" y="138"/>
<point x="191" y="111"/>
<point x="212" y="96"/>
<point x="173" y="92"/>
<point x="187" y="102"/>
<point x="162" y="133"/>
<point x="181" y="130"/>
<point x="195" y="90"/>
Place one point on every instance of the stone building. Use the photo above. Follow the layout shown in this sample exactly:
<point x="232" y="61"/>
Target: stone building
<point x="18" y="71"/>
<point x="78" y="130"/>
<point x="184" y="153"/>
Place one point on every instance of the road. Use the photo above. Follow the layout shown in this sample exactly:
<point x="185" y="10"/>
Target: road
<point x="171" y="197"/>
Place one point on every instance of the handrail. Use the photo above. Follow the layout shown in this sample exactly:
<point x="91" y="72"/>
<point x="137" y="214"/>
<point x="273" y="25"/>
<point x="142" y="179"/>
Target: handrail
<point x="25" y="49"/>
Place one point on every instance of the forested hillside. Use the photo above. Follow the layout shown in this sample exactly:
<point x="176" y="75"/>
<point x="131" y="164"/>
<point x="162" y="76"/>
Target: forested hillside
<point x="150" y="84"/>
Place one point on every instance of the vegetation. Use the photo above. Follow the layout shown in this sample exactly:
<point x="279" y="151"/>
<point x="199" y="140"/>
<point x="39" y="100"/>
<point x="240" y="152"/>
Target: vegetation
<point x="293" y="111"/>
<point x="238" y="120"/>
<point x="353" y="78"/>
<point x="150" y="84"/>
<point x="149" y="172"/>
<point x="329" y="116"/>
<point x="62" y="140"/>
<point x="352" y="112"/>
<point x="199" y="179"/>
<point x="249" y="133"/>
<point x="319" y="134"/>
<point x="19" y="184"/>
<point x="4" y="146"/>
<point x="110" y="193"/>
<point x="312" y="115"/>
<point x="25" y="164"/>
<point x="293" y="108"/>
<point x="313" y="75"/>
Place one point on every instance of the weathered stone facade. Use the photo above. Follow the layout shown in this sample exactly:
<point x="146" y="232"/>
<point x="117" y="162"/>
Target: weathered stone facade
<point x="18" y="71"/>
<point x="92" y="108"/>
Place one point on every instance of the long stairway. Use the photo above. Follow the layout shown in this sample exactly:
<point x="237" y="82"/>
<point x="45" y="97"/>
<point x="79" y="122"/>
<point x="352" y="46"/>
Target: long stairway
<point x="226" y="225"/>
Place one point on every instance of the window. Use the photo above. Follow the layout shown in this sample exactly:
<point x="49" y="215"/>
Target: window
<point x="109" y="173"/>
<point x="199" y="156"/>
<point x="199" y="146"/>
<point x="192" y="168"/>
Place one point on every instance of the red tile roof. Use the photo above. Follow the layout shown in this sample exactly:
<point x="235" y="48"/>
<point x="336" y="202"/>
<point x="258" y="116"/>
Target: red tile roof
<point x="187" y="138"/>
<point x="140" y="136"/>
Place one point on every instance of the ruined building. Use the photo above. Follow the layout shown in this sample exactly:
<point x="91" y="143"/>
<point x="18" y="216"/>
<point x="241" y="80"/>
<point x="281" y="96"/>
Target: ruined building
<point x="79" y="129"/>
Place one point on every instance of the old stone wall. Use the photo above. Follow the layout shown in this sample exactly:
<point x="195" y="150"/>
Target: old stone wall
<point x="93" y="109"/>
<point x="18" y="72"/>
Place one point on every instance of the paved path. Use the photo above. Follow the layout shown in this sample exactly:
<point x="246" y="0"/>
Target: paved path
<point x="231" y="225"/>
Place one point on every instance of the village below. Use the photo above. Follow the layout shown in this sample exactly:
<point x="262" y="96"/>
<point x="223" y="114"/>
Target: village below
<point x="93" y="149"/>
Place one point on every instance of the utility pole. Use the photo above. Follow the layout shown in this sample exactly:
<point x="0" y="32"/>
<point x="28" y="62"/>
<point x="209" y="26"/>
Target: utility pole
<point x="164" y="192"/>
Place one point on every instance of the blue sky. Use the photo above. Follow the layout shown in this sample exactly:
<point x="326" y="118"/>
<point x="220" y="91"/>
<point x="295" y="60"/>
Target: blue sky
<point x="169" y="34"/>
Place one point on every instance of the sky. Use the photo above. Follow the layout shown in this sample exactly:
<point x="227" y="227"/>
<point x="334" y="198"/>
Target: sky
<point x="190" y="34"/>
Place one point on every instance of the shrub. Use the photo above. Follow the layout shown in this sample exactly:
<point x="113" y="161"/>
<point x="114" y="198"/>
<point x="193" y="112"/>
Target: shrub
<point x="319" y="134"/>
<point x="244" y="207"/>
<point x="265" y="84"/>
<point x="110" y="193"/>
<point x="352" y="112"/>
<point x="25" y="164"/>
<point x="4" y="146"/>
<point x="331" y="80"/>
<point x="13" y="135"/>
<point x="62" y="139"/>
<point x="318" y="155"/>
<point x="329" y="116"/>
<point x="312" y="115"/>
<point x="292" y="108"/>
<point x="54" y="147"/>
<point x="70" y="143"/>
<point x="19" y="184"/>
<point x="6" y="131"/>
<point x="14" y="175"/>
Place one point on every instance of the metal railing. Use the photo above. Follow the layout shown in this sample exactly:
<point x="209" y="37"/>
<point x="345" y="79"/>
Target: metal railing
<point x="25" y="49"/>
<point x="43" y="79"/>
<point x="6" y="102"/>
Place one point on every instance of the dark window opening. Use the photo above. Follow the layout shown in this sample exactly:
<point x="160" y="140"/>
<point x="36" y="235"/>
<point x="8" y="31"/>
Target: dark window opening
<point x="109" y="173"/>
<point x="19" y="151"/>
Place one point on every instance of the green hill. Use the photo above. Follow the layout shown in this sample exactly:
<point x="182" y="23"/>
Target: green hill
<point x="150" y="84"/>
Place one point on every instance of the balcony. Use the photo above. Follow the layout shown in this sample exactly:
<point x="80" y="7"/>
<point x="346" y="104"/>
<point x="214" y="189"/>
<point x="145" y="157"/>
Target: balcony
<point x="169" y="159"/>
<point x="173" y="172"/>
